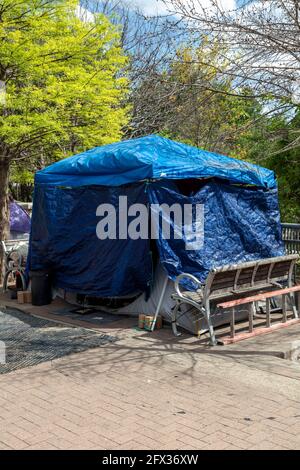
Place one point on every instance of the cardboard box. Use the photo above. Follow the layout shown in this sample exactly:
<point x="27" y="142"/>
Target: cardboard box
<point x="27" y="297"/>
<point x="24" y="297"/>
<point x="149" y="319"/>
<point x="159" y="323"/>
<point x="142" y="321"/>
<point x="21" y="297"/>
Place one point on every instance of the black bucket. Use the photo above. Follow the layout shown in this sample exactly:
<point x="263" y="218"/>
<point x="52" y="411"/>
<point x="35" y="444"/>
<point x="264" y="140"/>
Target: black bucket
<point x="41" y="287"/>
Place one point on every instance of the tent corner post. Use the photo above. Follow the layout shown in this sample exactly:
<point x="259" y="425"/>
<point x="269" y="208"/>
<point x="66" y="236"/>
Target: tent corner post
<point x="160" y="302"/>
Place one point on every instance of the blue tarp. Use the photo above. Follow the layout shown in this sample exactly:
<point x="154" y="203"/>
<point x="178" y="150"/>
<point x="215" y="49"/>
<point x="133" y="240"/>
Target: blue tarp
<point x="241" y="221"/>
<point x="240" y="225"/>
<point x="150" y="157"/>
<point x="64" y="239"/>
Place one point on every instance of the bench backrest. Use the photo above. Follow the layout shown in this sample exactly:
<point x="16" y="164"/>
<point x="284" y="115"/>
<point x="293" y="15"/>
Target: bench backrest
<point x="250" y="276"/>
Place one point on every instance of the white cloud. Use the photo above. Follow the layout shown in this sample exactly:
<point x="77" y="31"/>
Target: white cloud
<point x="154" y="7"/>
<point x="151" y="7"/>
<point x="159" y="7"/>
<point x="84" y="14"/>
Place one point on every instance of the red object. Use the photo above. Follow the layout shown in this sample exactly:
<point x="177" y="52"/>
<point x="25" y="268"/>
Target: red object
<point x="257" y="332"/>
<point x="255" y="298"/>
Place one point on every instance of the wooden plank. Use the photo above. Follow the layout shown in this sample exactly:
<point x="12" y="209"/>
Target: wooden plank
<point x="225" y="275"/>
<point x="254" y="298"/>
<point x="222" y="285"/>
<point x="257" y="332"/>
<point x="280" y="271"/>
<point x="241" y="291"/>
<point x="262" y="269"/>
<point x="246" y="275"/>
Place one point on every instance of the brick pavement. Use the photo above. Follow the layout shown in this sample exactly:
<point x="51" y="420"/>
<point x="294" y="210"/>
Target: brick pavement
<point x="152" y="391"/>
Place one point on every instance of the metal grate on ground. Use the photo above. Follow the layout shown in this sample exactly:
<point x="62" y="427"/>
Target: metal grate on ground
<point x="30" y="341"/>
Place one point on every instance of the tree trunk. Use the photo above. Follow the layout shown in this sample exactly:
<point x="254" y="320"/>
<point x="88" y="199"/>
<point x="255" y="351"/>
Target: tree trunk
<point x="4" y="207"/>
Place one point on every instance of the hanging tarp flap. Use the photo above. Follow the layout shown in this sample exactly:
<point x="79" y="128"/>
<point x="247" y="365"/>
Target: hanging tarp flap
<point x="240" y="225"/>
<point x="64" y="238"/>
<point x="151" y="157"/>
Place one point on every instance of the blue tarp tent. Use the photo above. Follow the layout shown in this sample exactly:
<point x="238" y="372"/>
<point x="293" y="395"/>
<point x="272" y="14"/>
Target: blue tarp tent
<point x="241" y="216"/>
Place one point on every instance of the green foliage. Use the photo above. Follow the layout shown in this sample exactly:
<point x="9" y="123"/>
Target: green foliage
<point x="63" y="81"/>
<point x="21" y="176"/>
<point x="266" y="144"/>
<point x="286" y="164"/>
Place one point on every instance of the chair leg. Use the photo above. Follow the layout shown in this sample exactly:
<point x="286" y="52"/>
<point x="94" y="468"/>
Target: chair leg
<point x="251" y="316"/>
<point x="206" y="311"/>
<point x="174" y="320"/>
<point x="268" y="316"/>
<point x="232" y="323"/>
<point x="291" y="298"/>
<point x="284" y="312"/>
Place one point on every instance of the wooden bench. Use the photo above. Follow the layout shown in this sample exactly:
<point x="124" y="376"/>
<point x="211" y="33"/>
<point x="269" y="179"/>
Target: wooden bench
<point x="235" y="282"/>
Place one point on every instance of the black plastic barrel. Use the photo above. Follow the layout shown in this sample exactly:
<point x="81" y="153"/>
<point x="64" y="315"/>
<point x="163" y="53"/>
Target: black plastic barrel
<point x="41" y="287"/>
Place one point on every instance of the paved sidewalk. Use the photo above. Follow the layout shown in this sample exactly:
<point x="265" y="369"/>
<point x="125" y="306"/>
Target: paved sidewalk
<point x="153" y="391"/>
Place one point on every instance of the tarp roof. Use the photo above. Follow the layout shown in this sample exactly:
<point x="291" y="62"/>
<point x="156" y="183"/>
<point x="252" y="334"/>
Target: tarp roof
<point x="150" y="157"/>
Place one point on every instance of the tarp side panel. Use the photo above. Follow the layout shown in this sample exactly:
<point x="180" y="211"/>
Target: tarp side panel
<point x="64" y="238"/>
<point x="240" y="225"/>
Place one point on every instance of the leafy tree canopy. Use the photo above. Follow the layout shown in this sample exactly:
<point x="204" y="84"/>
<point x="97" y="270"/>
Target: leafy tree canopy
<point x="61" y="85"/>
<point x="62" y="80"/>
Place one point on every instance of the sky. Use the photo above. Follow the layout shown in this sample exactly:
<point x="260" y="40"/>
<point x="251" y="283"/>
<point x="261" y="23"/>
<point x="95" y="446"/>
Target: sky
<point x="155" y="7"/>
<point x="152" y="7"/>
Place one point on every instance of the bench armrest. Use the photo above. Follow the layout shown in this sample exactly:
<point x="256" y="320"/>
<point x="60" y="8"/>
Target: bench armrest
<point x="187" y="276"/>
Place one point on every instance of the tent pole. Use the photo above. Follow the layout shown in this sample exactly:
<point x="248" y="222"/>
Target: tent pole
<point x="160" y="302"/>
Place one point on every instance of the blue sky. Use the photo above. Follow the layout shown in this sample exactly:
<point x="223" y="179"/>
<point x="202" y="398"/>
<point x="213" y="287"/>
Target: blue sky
<point x="154" y="7"/>
<point x="151" y="7"/>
